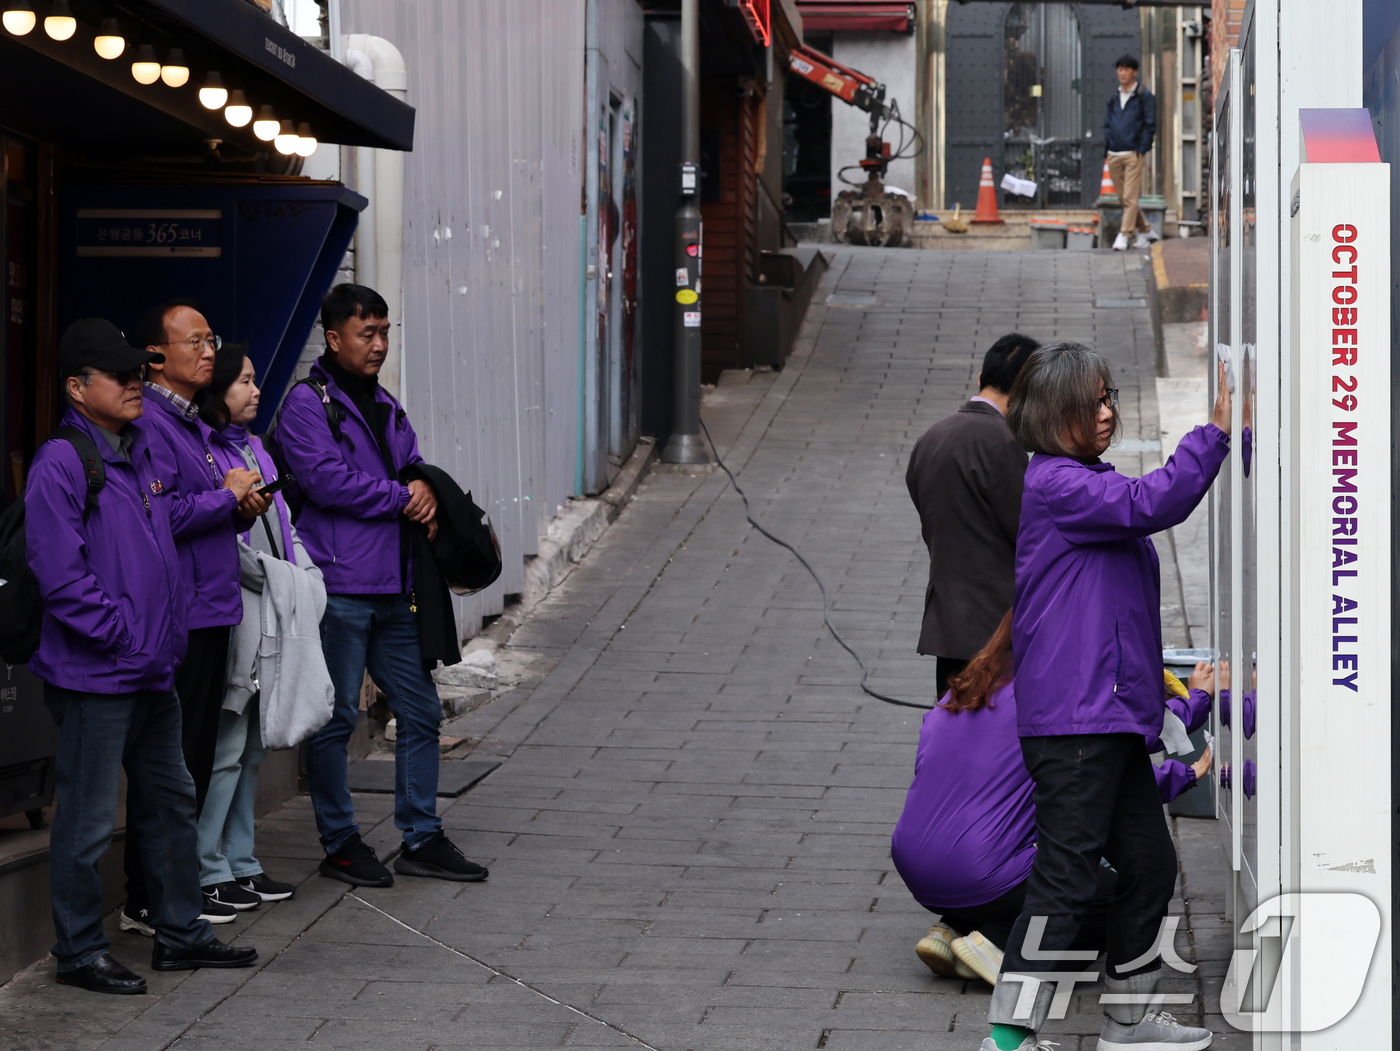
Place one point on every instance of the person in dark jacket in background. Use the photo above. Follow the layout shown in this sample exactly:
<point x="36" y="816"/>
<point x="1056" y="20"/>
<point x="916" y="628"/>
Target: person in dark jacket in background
<point x="964" y="477"/>
<point x="1128" y="130"/>
<point x="113" y="634"/>
<point x="1087" y="640"/>
<point x="354" y="526"/>
<point x="209" y="510"/>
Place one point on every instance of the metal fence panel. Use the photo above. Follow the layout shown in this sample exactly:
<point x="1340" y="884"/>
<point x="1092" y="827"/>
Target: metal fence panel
<point x="491" y="253"/>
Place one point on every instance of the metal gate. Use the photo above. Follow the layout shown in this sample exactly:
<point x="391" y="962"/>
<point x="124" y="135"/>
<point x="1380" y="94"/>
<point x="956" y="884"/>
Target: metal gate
<point x="976" y="80"/>
<point x="1042" y="107"/>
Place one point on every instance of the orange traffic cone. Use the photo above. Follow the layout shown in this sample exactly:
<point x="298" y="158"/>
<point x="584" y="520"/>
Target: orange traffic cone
<point x="1106" y="187"/>
<point x="986" y="196"/>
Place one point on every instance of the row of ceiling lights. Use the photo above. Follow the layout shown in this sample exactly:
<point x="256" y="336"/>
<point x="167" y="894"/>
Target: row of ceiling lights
<point x="19" y="19"/>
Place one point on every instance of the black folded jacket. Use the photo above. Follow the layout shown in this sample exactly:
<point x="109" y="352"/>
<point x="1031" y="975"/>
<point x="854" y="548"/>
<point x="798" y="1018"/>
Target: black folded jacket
<point x="464" y="557"/>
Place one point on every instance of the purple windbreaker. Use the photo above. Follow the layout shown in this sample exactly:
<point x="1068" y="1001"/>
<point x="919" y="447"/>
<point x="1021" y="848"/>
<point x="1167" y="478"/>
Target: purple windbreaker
<point x="1087" y="631"/>
<point x="1174" y="776"/>
<point x="114" y="595"/>
<point x="349" y="524"/>
<point x="228" y="455"/>
<point x="204" y="518"/>
<point x="967" y="833"/>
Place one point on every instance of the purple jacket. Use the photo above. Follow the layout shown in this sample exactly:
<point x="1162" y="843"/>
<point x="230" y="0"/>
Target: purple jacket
<point x="1087" y="631"/>
<point x="114" y="596"/>
<point x="227" y="447"/>
<point x="350" y="521"/>
<point x="967" y="834"/>
<point x="1174" y="776"/>
<point x="204" y="519"/>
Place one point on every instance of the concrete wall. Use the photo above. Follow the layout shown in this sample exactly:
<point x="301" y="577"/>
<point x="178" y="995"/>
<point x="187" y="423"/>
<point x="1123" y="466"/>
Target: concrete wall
<point x="892" y="59"/>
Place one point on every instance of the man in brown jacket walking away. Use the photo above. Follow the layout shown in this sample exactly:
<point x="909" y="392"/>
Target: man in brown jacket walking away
<point x="965" y="477"/>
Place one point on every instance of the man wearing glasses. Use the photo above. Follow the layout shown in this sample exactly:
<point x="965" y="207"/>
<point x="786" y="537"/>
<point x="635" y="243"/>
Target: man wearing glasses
<point x="208" y="510"/>
<point x="113" y="632"/>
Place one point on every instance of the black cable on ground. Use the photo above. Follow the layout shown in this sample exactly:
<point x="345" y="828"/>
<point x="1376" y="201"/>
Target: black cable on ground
<point x="826" y="602"/>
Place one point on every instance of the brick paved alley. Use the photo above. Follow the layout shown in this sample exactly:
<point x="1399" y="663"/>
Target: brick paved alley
<point x="689" y="833"/>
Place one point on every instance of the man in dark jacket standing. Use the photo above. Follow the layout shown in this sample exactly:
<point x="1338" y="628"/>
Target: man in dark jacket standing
<point x="965" y="478"/>
<point x="354" y="526"/>
<point x="208" y="511"/>
<point x="113" y="633"/>
<point x="1128" y="130"/>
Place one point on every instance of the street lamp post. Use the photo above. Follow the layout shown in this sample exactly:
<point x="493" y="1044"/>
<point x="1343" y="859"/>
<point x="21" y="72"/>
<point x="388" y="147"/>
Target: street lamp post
<point x="686" y="444"/>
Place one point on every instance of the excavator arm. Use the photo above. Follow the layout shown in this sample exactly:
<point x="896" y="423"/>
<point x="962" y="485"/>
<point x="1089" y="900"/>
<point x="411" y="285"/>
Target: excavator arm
<point x="868" y="215"/>
<point x="849" y="85"/>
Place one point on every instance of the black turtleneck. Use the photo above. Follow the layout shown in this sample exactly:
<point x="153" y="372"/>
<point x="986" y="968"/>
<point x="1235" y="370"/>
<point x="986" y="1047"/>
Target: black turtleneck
<point x="361" y="391"/>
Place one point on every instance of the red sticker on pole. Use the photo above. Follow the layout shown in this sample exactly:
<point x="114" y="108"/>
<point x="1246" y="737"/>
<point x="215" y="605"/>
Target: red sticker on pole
<point x="692" y="250"/>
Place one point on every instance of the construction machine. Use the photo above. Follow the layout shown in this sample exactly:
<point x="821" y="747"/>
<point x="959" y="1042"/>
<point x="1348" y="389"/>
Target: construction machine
<point x="867" y="214"/>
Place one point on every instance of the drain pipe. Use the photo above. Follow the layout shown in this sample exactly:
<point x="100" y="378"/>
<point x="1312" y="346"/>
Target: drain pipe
<point x="379" y="177"/>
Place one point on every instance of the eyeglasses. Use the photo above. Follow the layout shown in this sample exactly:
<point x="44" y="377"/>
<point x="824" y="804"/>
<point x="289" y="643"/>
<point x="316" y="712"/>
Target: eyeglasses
<point x="1109" y="399"/>
<point x="194" y="343"/>
<point x="126" y="377"/>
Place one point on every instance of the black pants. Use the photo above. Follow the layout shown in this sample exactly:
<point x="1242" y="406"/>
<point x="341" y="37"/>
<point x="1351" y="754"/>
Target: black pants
<point x="944" y="669"/>
<point x="1095" y="796"/>
<point x="199" y="683"/>
<point x="995" y="919"/>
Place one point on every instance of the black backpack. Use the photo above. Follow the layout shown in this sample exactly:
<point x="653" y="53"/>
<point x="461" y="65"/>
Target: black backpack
<point x="21" y="604"/>
<point x="293" y="494"/>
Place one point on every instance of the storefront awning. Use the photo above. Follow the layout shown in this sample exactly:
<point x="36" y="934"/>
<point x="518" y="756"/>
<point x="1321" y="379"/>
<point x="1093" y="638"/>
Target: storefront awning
<point x="821" y="16"/>
<point x="64" y="92"/>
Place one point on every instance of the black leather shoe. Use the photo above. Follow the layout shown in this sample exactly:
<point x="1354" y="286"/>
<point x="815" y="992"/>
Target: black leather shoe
<point x="103" y="975"/>
<point x="212" y="953"/>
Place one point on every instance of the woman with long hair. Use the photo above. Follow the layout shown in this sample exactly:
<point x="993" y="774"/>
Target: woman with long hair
<point x="1087" y="639"/>
<point x="965" y="842"/>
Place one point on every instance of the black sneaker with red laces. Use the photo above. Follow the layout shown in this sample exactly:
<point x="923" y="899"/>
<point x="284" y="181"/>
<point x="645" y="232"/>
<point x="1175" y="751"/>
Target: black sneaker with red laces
<point x="356" y="864"/>
<point x="439" y="858"/>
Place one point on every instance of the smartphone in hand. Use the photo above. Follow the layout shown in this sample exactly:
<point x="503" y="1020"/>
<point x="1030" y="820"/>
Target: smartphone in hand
<point x="274" y="486"/>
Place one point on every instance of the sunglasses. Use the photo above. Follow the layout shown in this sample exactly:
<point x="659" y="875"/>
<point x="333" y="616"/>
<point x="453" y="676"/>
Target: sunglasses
<point x="126" y="377"/>
<point x="1109" y="399"/>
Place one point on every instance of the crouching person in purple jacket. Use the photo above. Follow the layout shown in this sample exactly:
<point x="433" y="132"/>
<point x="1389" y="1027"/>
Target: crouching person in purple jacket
<point x="346" y="440"/>
<point x="112" y="636"/>
<point x="1087" y="639"/>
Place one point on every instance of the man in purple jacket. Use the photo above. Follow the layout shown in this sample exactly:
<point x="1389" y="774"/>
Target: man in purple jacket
<point x="353" y="525"/>
<point x="210" y="508"/>
<point x="112" y="635"/>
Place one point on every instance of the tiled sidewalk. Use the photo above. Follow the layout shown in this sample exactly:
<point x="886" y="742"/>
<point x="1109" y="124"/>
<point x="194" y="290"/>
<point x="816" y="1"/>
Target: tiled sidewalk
<point x="689" y="836"/>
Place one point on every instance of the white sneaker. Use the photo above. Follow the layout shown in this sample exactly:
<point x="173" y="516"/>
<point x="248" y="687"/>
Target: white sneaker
<point x="979" y="954"/>
<point x="1141" y="241"/>
<point x="1120" y="243"/>
<point x="1152" y="237"/>
<point x="935" y="949"/>
<point x="1156" y="1032"/>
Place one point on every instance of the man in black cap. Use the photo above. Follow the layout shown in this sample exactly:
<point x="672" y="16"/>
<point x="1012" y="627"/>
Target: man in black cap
<point x="113" y="633"/>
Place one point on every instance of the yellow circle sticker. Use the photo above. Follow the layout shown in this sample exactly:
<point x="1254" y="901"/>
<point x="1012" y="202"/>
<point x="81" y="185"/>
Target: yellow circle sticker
<point x="686" y="296"/>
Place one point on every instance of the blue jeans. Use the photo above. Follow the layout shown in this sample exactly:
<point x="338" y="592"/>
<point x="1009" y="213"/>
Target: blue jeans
<point x="378" y="633"/>
<point x="226" y="822"/>
<point x="98" y="734"/>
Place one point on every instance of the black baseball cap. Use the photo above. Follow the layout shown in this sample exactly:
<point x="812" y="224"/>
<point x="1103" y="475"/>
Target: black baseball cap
<point x="96" y="343"/>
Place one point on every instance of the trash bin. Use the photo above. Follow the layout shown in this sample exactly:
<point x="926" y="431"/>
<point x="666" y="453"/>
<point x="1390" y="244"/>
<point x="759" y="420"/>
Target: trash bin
<point x="1154" y="207"/>
<point x="1047" y="232"/>
<point x="1079" y="238"/>
<point x="1199" y="799"/>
